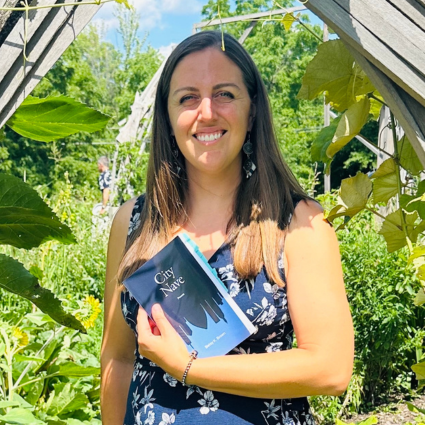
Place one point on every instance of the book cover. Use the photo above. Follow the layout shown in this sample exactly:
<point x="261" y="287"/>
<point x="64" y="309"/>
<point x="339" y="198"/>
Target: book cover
<point x="193" y="298"/>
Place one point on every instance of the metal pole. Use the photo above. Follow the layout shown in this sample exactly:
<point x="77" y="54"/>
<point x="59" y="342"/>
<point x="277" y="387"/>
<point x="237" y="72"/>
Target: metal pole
<point x="326" y="115"/>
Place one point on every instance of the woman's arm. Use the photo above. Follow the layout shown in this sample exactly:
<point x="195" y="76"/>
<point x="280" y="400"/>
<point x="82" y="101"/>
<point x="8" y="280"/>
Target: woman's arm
<point x="117" y="354"/>
<point x="321" y="364"/>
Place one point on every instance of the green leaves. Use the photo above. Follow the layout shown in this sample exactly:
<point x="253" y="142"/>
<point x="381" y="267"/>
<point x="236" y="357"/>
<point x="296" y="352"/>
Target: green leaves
<point x="16" y="279"/>
<point x="333" y="72"/>
<point x="25" y="220"/>
<point x="53" y="118"/>
<point x="385" y="181"/>
<point x="20" y="416"/>
<point x="352" y="121"/>
<point x="354" y="195"/>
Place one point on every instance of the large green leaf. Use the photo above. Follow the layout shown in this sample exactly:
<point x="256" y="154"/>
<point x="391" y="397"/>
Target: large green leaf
<point x="74" y="370"/>
<point x="322" y="142"/>
<point x="392" y="230"/>
<point x="66" y="399"/>
<point x="408" y="158"/>
<point x="20" y="416"/>
<point x="419" y="369"/>
<point x="385" y="181"/>
<point x="354" y="194"/>
<point x="16" y="279"/>
<point x="53" y="118"/>
<point x="352" y="121"/>
<point x="420" y="297"/>
<point x="333" y="72"/>
<point x="25" y="219"/>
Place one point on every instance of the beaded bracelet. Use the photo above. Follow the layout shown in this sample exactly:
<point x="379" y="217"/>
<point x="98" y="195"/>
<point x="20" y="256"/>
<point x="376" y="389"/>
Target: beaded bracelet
<point x="193" y="356"/>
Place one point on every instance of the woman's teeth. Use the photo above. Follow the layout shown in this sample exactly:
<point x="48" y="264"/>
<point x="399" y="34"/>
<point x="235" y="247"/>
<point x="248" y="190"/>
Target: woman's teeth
<point x="208" y="137"/>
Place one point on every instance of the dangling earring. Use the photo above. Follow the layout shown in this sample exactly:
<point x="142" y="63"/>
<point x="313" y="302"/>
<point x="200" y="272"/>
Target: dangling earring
<point x="175" y="151"/>
<point x="248" y="149"/>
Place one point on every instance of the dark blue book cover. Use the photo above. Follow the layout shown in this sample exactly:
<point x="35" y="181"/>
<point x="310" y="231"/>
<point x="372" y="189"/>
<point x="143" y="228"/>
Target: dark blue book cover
<point x="193" y="298"/>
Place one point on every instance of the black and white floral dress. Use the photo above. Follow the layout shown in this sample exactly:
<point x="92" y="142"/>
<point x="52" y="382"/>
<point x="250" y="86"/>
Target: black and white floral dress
<point x="157" y="398"/>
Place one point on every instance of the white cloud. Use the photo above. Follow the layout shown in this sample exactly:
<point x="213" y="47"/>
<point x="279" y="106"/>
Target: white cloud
<point x="165" y="51"/>
<point x="150" y="11"/>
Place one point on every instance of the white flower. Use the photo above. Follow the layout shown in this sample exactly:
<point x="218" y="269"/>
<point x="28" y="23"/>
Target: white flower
<point x="234" y="289"/>
<point x="124" y="309"/>
<point x="275" y="290"/>
<point x="271" y="409"/>
<point x="287" y="420"/>
<point x="151" y="418"/>
<point x="134" y="223"/>
<point x="146" y="400"/>
<point x="167" y="419"/>
<point x="138" y="419"/>
<point x="172" y="382"/>
<point x="274" y="346"/>
<point x="250" y="312"/>
<point x="267" y="317"/>
<point x="192" y="389"/>
<point x="208" y="403"/>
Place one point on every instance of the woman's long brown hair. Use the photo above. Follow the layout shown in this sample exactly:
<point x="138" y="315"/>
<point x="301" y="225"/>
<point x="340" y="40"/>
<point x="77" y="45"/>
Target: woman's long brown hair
<point x="264" y="202"/>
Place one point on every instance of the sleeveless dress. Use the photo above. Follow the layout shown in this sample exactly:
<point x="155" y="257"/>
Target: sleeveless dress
<point x="155" y="397"/>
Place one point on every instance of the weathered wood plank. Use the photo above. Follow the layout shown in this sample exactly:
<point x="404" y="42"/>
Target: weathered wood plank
<point x="409" y="113"/>
<point x="247" y="31"/>
<point x="8" y="18"/>
<point x="363" y="40"/>
<point x="63" y="37"/>
<point x="412" y="9"/>
<point x="390" y="26"/>
<point x="13" y="46"/>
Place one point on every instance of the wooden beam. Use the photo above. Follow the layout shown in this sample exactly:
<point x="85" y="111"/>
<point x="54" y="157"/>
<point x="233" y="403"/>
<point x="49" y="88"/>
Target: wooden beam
<point x="412" y="9"/>
<point x="58" y="39"/>
<point x="409" y="113"/>
<point x="247" y="31"/>
<point x="13" y="46"/>
<point x="368" y="45"/>
<point x="250" y="17"/>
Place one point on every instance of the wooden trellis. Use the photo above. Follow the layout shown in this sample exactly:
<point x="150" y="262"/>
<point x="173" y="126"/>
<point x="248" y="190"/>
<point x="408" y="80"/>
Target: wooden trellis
<point x="44" y="36"/>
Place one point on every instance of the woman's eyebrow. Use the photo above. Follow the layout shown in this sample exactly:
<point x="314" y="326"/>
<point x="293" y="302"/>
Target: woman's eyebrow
<point x="216" y="87"/>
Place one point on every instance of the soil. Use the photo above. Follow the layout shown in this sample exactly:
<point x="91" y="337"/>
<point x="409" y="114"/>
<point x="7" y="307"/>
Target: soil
<point x="394" y="414"/>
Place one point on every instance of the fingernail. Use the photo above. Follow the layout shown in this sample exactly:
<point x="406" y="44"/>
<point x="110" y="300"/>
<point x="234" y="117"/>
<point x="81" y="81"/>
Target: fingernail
<point x="156" y="308"/>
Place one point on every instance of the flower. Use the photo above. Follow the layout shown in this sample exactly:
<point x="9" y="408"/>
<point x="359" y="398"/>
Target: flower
<point x="172" y="382"/>
<point x="267" y="317"/>
<point x="167" y="419"/>
<point x="234" y="289"/>
<point x="150" y="419"/>
<point x="20" y="336"/>
<point x="271" y="409"/>
<point x="89" y="312"/>
<point x="274" y="346"/>
<point x="208" y="403"/>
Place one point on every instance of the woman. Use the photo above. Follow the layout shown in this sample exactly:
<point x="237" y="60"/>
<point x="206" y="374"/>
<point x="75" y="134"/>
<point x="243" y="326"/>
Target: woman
<point x="215" y="173"/>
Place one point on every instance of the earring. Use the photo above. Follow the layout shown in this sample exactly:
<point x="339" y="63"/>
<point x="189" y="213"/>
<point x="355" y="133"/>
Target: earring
<point x="175" y="152"/>
<point x="248" y="149"/>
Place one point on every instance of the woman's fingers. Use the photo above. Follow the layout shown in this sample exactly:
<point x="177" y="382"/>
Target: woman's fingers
<point x="143" y="326"/>
<point x="161" y="321"/>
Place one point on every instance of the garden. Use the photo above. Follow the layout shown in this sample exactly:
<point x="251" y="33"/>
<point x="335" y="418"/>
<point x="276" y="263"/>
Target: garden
<point x="53" y="249"/>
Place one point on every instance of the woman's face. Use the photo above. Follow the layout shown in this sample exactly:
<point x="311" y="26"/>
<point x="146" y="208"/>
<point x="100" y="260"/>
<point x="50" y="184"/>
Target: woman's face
<point x="210" y="111"/>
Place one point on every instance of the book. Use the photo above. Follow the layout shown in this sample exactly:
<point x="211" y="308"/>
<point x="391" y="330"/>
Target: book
<point x="193" y="298"/>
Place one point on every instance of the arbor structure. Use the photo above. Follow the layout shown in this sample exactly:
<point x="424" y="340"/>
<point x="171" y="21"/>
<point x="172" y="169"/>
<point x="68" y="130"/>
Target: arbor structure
<point x="31" y="41"/>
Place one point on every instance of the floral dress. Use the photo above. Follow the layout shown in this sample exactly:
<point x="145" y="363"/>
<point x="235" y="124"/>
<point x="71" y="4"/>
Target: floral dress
<point x="155" y="397"/>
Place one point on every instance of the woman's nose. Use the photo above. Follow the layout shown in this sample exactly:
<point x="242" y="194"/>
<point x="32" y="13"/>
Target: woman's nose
<point x="206" y="110"/>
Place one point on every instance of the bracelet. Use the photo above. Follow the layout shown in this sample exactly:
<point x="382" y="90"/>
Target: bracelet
<point x="193" y="356"/>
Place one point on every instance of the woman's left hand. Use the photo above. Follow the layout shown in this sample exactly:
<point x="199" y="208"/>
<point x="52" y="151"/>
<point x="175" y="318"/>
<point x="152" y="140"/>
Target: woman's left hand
<point x="160" y="342"/>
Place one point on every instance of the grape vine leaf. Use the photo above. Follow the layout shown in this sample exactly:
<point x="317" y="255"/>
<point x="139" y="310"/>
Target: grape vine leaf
<point x="385" y="181"/>
<point x="354" y="194"/>
<point x="333" y="72"/>
<point x="408" y="158"/>
<point x="55" y="117"/>
<point x="26" y="221"/>
<point x="349" y="126"/>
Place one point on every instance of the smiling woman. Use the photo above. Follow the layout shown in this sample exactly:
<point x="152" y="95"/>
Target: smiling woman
<point x="216" y="173"/>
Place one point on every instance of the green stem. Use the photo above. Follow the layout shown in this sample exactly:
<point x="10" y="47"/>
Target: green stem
<point x="377" y="99"/>
<point x="8" y="355"/>
<point x="377" y="147"/>
<point x="41" y="378"/>
<point x="27" y="368"/>
<point x="376" y="213"/>
<point x="21" y="9"/>
<point x="399" y="184"/>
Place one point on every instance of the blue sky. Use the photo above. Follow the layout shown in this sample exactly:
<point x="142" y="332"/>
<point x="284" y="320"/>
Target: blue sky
<point x="167" y="21"/>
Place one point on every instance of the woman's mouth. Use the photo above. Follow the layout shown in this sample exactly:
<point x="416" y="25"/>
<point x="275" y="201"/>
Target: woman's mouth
<point x="209" y="137"/>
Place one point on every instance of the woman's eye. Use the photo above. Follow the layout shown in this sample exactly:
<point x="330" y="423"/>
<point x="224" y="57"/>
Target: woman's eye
<point x="225" y="95"/>
<point x="186" y="99"/>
